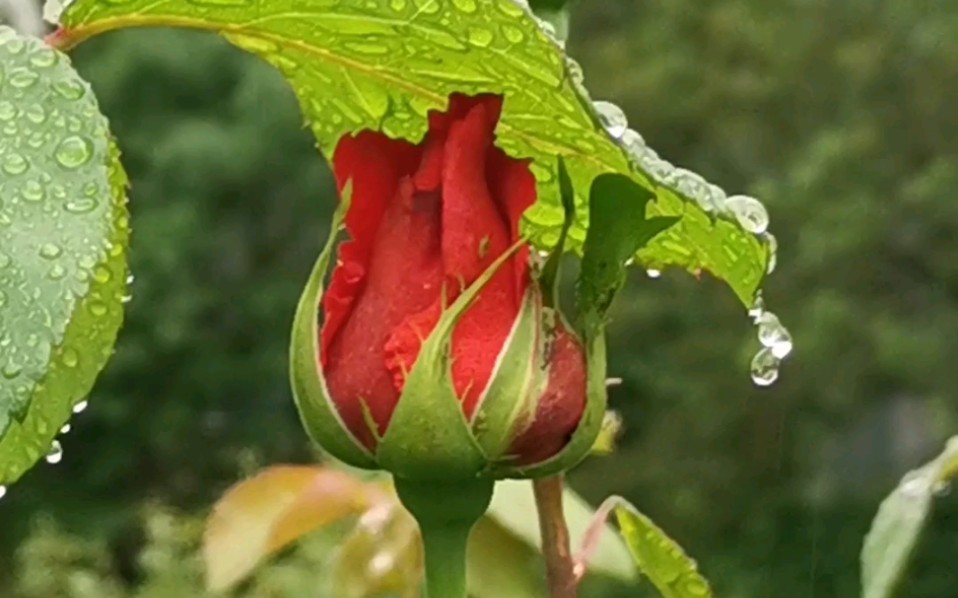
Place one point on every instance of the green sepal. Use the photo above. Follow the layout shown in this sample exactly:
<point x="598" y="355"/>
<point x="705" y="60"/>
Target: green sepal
<point x="517" y="382"/>
<point x="316" y="409"/>
<point x="428" y="436"/>
<point x="618" y="228"/>
<point x="589" y="426"/>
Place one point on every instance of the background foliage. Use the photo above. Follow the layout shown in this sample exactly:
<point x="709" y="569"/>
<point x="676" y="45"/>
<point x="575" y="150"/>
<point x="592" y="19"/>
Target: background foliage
<point x="838" y="115"/>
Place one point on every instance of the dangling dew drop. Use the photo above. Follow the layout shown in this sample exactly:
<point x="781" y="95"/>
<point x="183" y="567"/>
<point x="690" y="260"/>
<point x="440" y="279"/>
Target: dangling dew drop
<point x="55" y="454"/>
<point x="772" y="334"/>
<point x="79" y="407"/>
<point x="764" y="367"/>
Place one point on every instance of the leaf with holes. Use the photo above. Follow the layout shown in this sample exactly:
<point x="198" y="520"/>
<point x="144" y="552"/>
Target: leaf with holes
<point x="63" y="238"/>
<point x="384" y="64"/>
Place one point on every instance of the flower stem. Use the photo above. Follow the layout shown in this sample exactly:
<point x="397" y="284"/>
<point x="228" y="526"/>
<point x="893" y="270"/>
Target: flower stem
<point x="560" y="569"/>
<point x="446" y="512"/>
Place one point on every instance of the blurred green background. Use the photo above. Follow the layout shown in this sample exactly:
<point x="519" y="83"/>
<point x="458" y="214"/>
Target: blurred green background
<point x="840" y="115"/>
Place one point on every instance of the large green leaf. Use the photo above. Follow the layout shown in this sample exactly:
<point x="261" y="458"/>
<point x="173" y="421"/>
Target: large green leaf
<point x="900" y="519"/>
<point x="63" y="235"/>
<point x="383" y="64"/>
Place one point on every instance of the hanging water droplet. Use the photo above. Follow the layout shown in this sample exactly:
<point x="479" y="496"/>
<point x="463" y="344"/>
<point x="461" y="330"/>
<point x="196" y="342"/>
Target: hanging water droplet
<point x="772" y="251"/>
<point x="79" y="407"/>
<point x="773" y="335"/>
<point x="764" y="367"/>
<point x="66" y="429"/>
<point x="758" y="307"/>
<point x="74" y="152"/>
<point x="749" y="212"/>
<point x="653" y="273"/>
<point x="55" y="454"/>
<point x="3" y="491"/>
<point x="612" y="118"/>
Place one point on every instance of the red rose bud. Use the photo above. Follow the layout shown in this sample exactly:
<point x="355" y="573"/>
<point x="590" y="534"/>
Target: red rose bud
<point x="436" y="355"/>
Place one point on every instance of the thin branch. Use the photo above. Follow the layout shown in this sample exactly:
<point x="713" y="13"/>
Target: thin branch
<point x="555" y="538"/>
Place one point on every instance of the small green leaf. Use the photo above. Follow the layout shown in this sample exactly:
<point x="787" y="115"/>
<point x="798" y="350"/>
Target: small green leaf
<point x="618" y="229"/>
<point x="384" y="65"/>
<point x="900" y="519"/>
<point x="514" y="508"/>
<point x="659" y="558"/>
<point x="64" y="231"/>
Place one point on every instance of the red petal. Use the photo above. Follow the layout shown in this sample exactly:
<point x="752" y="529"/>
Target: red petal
<point x="560" y="407"/>
<point x="396" y="244"/>
<point x="474" y="234"/>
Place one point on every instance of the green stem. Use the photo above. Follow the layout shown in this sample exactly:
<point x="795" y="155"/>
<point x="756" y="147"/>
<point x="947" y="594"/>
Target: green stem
<point x="446" y="512"/>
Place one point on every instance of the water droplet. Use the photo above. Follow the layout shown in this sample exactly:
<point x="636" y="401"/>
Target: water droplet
<point x="7" y="110"/>
<point x="773" y="335"/>
<point x="102" y="274"/>
<point x="66" y="429"/>
<point x="758" y="308"/>
<point x="79" y="407"/>
<point x="612" y="118"/>
<point x="653" y="273"/>
<point x="57" y="272"/>
<point x="466" y="6"/>
<point x="11" y="370"/>
<point x="397" y="5"/>
<point x="3" y="491"/>
<point x="50" y="251"/>
<point x="32" y="191"/>
<point x="69" y="89"/>
<point x="513" y="34"/>
<point x="480" y="37"/>
<point x="55" y="454"/>
<point x="14" y="164"/>
<point x="74" y="152"/>
<point x="694" y="187"/>
<point x="80" y="205"/>
<point x="98" y="308"/>
<point x="749" y="212"/>
<point x="772" y="251"/>
<point x="22" y="78"/>
<point x="35" y="113"/>
<point x="43" y="57"/>
<point x="632" y="142"/>
<point x="70" y="358"/>
<point x="764" y="367"/>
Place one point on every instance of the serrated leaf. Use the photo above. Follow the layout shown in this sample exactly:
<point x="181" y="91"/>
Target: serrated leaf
<point x="659" y="558"/>
<point x="261" y="515"/>
<point x="383" y="65"/>
<point x="514" y="508"/>
<point x="63" y="237"/>
<point x="902" y="515"/>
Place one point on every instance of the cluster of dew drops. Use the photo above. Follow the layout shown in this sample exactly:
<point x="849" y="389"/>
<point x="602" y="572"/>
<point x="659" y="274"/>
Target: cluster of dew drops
<point x="751" y="215"/>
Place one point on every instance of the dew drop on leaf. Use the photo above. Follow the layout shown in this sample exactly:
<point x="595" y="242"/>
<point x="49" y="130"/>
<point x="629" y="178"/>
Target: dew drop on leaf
<point x="612" y="118"/>
<point x="772" y="334"/>
<point x="80" y="407"/>
<point x="73" y="152"/>
<point x="749" y="212"/>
